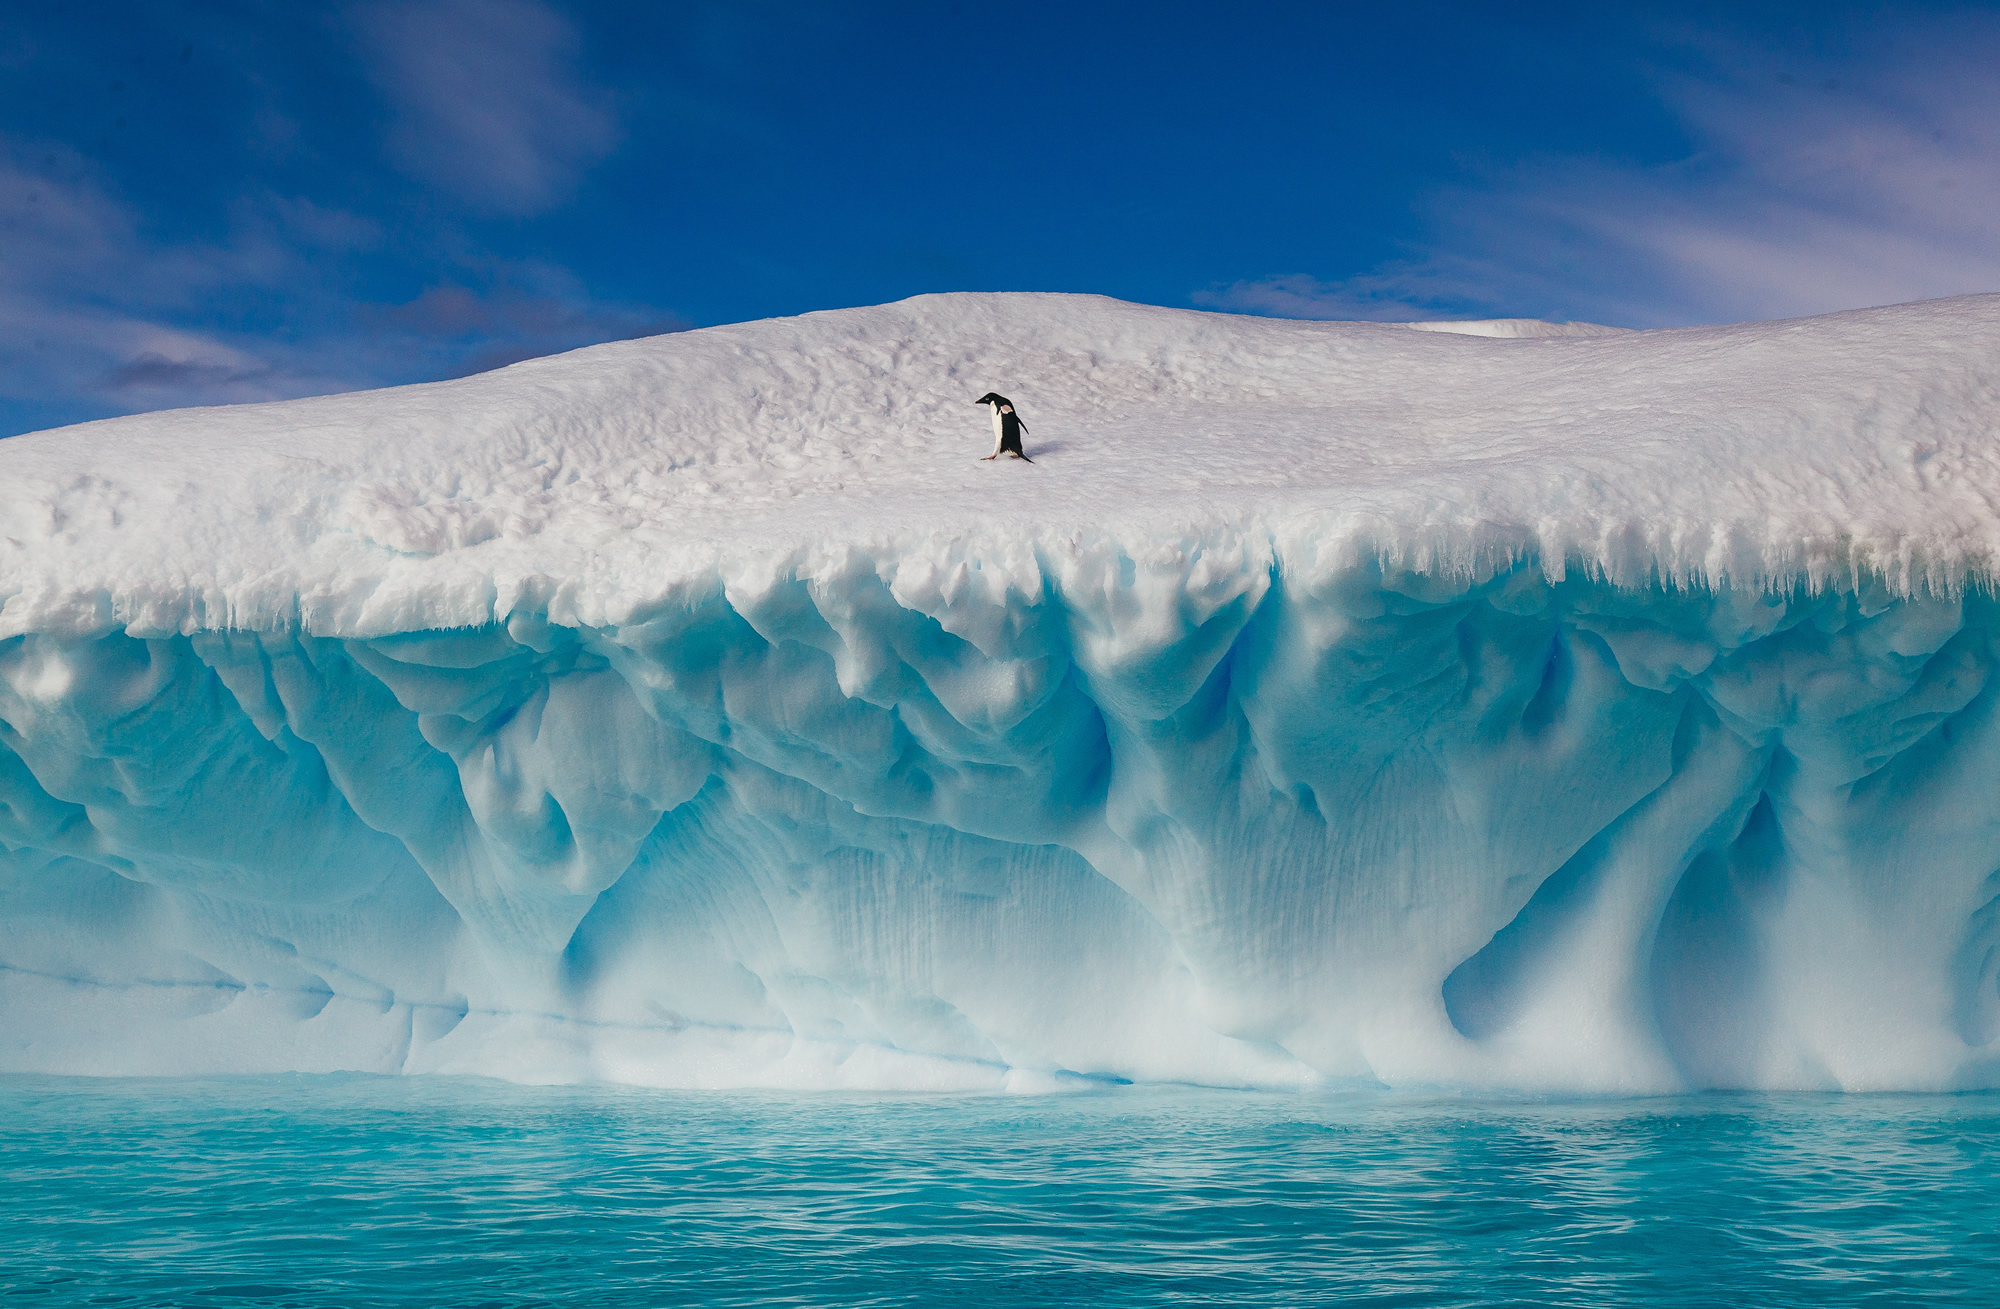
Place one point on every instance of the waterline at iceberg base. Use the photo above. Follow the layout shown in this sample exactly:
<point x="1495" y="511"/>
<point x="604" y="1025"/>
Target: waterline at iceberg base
<point x="1215" y="810"/>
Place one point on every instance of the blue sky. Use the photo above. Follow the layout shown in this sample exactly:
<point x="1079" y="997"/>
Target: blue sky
<point x="208" y="203"/>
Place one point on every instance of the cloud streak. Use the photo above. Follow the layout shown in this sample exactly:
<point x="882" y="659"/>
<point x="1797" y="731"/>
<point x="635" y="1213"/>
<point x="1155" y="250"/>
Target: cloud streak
<point x="94" y="310"/>
<point x="529" y="311"/>
<point x="86" y="304"/>
<point x="489" y="101"/>
<point x="1814" y="186"/>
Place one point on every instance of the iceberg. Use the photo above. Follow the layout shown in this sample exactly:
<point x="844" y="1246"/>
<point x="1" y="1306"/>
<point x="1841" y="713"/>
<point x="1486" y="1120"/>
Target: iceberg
<point x="1329" y="704"/>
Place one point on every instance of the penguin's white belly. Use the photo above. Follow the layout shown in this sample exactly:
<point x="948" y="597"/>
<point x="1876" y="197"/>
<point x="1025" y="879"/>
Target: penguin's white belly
<point x="998" y="426"/>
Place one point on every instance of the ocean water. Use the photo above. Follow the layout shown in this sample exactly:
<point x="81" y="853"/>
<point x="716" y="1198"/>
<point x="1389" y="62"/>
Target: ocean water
<point x="356" y="1192"/>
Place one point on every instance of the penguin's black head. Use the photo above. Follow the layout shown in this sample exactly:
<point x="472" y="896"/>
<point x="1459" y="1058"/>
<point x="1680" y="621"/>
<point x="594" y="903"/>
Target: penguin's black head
<point x="993" y="398"/>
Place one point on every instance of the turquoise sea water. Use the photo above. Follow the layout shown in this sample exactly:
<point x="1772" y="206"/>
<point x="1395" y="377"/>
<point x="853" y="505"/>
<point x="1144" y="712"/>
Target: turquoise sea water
<point x="360" y="1192"/>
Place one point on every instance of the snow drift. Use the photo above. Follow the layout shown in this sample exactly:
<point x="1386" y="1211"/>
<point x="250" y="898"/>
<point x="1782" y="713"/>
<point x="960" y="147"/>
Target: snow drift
<point x="1330" y="702"/>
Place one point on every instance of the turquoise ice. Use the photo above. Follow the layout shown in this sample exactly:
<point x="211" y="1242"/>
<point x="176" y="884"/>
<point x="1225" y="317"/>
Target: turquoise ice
<point x="1331" y="704"/>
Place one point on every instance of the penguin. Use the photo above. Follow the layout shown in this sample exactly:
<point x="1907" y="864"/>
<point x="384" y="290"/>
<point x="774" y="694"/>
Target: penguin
<point x="1007" y="426"/>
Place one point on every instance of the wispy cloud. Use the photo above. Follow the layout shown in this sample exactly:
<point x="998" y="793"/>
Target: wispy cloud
<point x="176" y="365"/>
<point x="1857" y="179"/>
<point x="489" y="102"/>
<point x="86" y="304"/>
<point x="94" y="310"/>
<point x="1391" y="294"/>
<point x="522" y="312"/>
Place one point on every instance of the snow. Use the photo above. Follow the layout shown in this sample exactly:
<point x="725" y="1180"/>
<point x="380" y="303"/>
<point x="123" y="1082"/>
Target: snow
<point x="1516" y="328"/>
<point x="599" y="483"/>
<point x="1328" y="703"/>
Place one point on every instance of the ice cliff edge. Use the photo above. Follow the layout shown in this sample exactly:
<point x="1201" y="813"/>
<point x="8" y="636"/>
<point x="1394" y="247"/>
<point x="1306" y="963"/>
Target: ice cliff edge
<point x="1331" y="701"/>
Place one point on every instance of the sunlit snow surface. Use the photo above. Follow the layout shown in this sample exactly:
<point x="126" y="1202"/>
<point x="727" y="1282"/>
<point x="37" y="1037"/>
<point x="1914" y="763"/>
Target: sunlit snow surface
<point x="1327" y="702"/>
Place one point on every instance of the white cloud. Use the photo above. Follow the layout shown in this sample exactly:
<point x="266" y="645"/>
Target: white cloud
<point x="97" y="315"/>
<point x="88" y="304"/>
<point x="1867" y="179"/>
<point x="489" y="105"/>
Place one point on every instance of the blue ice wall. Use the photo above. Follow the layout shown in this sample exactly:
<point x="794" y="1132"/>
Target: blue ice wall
<point x="1219" y="820"/>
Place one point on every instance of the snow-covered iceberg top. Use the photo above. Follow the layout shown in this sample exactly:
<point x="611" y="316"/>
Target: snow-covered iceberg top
<point x="1328" y="703"/>
<point x="593" y="488"/>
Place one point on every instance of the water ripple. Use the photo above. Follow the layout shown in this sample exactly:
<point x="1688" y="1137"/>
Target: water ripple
<point x="365" y="1192"/>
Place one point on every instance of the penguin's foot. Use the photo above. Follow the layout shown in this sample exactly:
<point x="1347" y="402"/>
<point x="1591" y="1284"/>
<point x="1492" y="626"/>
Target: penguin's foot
<point x="989" y="459"/>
